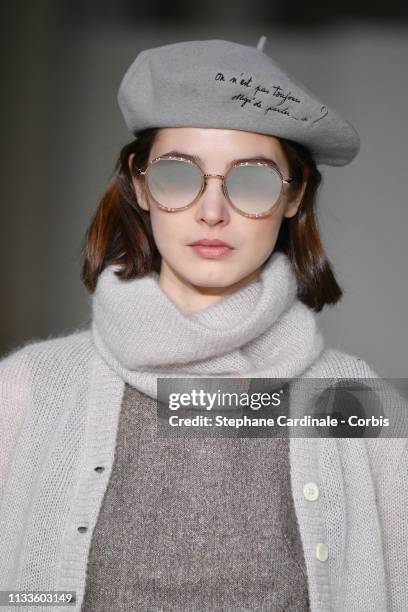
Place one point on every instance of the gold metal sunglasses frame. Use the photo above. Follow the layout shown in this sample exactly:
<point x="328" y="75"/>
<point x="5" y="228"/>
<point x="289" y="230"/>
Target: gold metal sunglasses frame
<point x="204" y="178"/>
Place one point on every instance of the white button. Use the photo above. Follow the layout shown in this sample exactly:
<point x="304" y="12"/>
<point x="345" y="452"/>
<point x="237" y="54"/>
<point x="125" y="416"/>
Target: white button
<point x="311" y="491"/>
<point x="322" y="551"/>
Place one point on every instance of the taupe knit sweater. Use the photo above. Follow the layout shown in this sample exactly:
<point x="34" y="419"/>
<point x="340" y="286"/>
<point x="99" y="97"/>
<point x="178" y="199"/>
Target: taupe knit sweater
<point x="195" y="525"/>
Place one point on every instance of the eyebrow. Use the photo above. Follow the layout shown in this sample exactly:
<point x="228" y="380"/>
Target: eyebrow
<point x="197" y="158"/>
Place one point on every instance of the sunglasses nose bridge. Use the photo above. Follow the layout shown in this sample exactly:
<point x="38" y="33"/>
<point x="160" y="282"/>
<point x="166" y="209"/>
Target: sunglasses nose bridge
<point x="217" y="176"/>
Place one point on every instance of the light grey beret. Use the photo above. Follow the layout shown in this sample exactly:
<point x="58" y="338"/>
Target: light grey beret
<point x="222" y="84"/>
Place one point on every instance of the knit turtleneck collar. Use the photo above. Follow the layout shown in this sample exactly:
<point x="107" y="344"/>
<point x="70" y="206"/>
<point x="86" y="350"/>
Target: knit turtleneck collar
<point x="260" y="330"/>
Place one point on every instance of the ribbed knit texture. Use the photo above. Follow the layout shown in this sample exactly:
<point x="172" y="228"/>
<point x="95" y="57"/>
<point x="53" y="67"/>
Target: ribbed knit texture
<point x="195" y="524"/>
<point x="60" y="401"/>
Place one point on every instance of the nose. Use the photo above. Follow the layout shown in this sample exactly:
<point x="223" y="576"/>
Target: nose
<point x="213" y="206"/>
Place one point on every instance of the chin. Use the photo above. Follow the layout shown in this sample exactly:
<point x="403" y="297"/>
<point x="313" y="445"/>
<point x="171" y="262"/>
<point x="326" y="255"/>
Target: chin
<point x="215" y="278"/>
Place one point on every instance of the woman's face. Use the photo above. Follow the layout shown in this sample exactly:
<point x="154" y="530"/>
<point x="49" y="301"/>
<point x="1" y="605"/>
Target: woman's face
<point x="194" y="280"/>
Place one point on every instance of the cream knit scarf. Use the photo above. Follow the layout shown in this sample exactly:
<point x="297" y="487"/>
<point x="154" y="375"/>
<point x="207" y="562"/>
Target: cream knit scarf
<point x="261" y="330"/>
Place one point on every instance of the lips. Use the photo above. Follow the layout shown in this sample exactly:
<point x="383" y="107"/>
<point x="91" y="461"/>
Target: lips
<point x="215" y="242"/>
<point x="216" y="249"/>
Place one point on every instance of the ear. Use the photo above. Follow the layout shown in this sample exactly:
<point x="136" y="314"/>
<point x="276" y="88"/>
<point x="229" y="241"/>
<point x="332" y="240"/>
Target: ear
<point x="138" y="185"/>
<point x="293" y="206"/>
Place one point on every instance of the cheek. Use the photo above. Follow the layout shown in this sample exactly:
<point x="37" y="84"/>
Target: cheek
<point x="167" y="229"/>
<point x="263" y="232"/>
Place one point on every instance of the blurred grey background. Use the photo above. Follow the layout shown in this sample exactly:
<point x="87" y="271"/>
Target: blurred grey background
<point x="62" y="131"/>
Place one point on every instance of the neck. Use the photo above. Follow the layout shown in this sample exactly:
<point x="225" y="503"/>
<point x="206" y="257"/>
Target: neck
<point x="190" y="297"/>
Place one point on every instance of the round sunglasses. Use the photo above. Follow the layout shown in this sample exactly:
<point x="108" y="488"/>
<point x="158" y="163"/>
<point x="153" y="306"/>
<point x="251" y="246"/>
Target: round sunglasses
<point x="253" y="187"/>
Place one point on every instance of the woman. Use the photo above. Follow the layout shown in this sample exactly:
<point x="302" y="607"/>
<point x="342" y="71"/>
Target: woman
<point x="93" y="501"/>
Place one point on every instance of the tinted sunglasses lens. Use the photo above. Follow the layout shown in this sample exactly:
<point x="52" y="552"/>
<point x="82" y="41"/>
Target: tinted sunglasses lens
<point x="173" y="183"/>
<point x="252" y="188"/>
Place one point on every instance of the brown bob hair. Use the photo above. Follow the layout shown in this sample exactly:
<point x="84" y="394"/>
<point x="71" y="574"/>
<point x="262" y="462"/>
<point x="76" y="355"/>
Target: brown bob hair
<point x="120" y="231"/>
